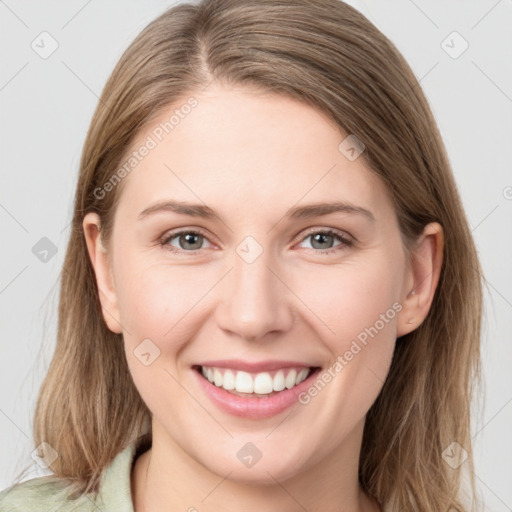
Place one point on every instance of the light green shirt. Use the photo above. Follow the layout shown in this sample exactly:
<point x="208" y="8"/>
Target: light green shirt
<point x="41" y="495"/>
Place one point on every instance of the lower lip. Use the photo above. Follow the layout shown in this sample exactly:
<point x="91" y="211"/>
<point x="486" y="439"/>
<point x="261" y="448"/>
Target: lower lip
<point x="254" y="407"/>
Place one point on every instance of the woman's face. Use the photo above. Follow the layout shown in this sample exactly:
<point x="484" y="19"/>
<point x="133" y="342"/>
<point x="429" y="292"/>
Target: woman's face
<point x="260" y="284"/>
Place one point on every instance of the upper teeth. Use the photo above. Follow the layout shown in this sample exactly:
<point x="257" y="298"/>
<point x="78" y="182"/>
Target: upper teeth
<point x="259" y="383"/>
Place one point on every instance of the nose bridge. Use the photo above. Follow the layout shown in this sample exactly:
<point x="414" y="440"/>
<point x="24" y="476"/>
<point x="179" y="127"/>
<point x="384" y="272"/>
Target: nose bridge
<point x="255" y="300"/>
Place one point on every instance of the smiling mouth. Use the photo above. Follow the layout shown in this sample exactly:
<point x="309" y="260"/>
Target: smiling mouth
<point x="251" y="384"/>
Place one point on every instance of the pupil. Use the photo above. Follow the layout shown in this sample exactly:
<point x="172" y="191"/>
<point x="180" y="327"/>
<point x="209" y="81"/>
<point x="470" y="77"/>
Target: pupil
<point x="321" y="237"/>
<point x="188" y="238"/>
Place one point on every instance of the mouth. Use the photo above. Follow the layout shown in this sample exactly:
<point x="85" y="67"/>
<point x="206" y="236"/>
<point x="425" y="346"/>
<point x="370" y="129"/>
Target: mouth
<point x="254" y="391"/>
<point x="255" y="384"/>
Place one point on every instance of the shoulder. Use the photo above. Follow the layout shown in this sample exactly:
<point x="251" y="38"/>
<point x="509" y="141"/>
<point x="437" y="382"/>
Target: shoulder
<point x="53" y="494"/>
<point x="43" y="494"/>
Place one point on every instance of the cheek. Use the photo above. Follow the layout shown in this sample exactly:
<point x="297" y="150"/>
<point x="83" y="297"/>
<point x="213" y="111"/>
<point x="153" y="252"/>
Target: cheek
<point x="358" y="305"/>
<point x="159" y="307"/>
<point x="161" y="302"/>
<point x="347" y="299"/>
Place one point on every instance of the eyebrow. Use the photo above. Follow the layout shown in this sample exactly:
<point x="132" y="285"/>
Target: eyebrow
<point x="296" y="212"/>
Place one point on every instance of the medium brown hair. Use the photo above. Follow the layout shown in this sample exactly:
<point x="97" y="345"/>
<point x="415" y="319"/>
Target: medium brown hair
<point x="328" y="55"/>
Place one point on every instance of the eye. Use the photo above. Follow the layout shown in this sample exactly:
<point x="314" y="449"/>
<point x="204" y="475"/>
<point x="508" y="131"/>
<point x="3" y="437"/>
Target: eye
<point x="324" y="239"/>
<point x="186" y="241"/>
<point x="191" y="241"/>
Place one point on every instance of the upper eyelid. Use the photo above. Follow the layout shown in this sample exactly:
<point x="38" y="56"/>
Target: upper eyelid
<point x="171" y="234"/>
<point x="339" y="232"/>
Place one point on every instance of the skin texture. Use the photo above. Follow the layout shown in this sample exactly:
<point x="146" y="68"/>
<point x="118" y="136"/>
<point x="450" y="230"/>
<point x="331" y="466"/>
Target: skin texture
<point x="250" y="156"/>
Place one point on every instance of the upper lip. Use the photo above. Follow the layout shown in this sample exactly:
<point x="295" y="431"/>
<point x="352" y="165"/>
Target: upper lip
<point x="253" y="366"/>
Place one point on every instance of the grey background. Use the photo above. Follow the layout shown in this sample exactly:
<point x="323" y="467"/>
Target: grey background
<point x="46" y="107"/>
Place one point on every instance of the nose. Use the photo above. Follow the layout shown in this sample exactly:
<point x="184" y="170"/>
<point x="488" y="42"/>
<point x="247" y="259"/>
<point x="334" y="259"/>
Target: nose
<point x="255" y="300"/>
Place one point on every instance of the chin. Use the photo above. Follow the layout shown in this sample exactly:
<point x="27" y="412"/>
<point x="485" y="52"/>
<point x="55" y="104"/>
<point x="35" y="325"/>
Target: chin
<point x="264" y="471"/>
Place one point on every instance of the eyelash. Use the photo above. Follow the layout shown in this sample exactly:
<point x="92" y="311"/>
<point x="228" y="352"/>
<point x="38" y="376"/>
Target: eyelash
<point x="345" y="241"/>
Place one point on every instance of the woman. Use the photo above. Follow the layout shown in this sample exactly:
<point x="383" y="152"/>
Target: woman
<point x="315" y="348"/>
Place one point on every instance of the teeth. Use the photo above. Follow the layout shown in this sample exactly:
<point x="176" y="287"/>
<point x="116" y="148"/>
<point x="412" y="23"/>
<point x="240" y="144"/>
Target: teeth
<point x="244" y="383"/>
<point x="290" y="380"/>
<point x="260" y="383"/>
<point x="278" y="384"/>
<point x="302" y="375"/>
<point x="229" y="380"/>
<point x="217" y="377"/>
<point x="263" y="384"/>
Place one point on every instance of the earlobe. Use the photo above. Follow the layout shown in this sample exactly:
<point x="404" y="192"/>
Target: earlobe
<point x="98" y="256"/>
<point x="423" y="274"/>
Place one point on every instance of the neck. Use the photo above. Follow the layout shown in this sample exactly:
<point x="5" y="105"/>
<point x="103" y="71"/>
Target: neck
<point x="167" y="478"/>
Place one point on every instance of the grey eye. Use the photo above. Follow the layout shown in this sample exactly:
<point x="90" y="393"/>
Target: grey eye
<point x="322" y="240"/>
<point x="186" y="241"/>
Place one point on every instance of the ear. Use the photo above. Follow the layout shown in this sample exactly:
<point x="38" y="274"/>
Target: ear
<point x="102" y="269"/>
<point x="424" y="269"/>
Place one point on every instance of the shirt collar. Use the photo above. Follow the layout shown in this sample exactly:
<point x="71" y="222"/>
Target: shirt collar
<point x="115" y="487"/>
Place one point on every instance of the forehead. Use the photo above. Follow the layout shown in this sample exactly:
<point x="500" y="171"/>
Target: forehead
<point x="251" y="149"/>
